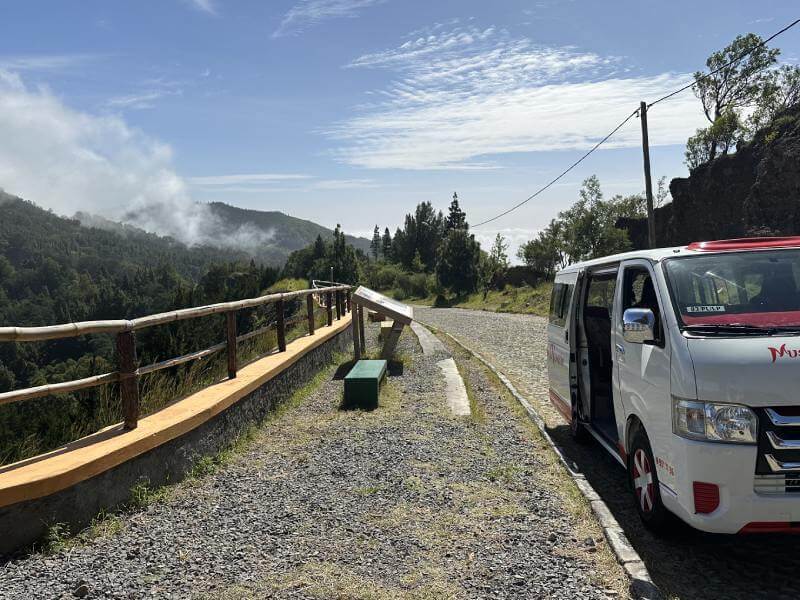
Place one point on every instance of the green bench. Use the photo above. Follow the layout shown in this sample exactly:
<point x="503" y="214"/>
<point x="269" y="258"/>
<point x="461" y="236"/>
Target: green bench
<point x="363" y="383"/>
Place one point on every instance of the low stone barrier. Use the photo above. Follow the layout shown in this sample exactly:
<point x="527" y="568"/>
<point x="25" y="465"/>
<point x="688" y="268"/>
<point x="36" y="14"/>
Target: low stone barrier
<point x="78" y="488"/>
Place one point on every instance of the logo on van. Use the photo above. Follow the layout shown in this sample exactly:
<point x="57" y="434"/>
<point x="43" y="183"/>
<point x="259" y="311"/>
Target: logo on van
<point x="554" y="355"/>
<point x="782" y="351"/>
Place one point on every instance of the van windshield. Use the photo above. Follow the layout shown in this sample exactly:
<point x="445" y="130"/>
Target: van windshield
<point x="756" y="289"/>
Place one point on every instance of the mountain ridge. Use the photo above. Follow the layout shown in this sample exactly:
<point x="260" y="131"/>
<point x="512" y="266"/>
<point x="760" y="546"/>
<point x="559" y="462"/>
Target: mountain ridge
<point x="268" y="237"/>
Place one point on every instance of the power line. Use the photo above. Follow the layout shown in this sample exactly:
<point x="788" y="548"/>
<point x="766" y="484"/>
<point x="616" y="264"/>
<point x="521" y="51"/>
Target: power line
<point x="567" y="170"/>
<point x="726" y="65"/>
<point x="634" y="113"/>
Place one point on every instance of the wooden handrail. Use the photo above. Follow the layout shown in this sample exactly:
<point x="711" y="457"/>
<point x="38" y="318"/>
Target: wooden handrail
<point x="179" y="360"/>
<point x="129" y="373"/>
<point x="52" y="332"/>
<point x="57" y="388"/>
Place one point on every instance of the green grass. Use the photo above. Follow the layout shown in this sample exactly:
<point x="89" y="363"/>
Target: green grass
<point x="524" y="300"/>
<point x="288" y="285"/>
<point x="529" y="300"/>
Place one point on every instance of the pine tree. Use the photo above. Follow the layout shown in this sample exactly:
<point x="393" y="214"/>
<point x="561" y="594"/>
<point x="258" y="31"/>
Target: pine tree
<point x="375" y="244"/>
<point x="387" y="245"/>
<point x="319" y="248"/>
<point x="456" y="218"/>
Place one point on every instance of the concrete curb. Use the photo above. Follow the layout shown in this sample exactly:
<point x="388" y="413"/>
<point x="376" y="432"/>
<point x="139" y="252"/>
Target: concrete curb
<point x="642" y="585"/>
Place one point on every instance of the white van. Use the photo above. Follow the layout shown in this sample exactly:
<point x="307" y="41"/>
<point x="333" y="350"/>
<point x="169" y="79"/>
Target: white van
<point x="684" y="363"/>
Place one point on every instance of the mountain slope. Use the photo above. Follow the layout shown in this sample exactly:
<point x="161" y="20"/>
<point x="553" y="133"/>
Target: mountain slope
<point x="286" y="233"/>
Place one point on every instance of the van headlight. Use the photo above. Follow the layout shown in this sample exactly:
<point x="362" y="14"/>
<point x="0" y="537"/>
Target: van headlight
<point x="714" y="421"/>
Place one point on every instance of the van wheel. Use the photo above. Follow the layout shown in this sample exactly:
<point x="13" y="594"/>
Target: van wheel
<point x="576" y="427"/>
<point x="644" y="484"/>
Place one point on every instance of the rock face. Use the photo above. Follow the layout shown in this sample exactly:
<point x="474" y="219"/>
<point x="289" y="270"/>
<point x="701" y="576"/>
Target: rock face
<point x="755" y="191"/>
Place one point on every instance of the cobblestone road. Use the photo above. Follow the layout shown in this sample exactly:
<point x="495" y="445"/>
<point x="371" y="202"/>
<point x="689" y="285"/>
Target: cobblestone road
<point x="689" y="564"/>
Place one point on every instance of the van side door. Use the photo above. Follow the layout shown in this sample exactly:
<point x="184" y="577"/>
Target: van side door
<point x="643" y="375"/>
<point x="558" y="341"/>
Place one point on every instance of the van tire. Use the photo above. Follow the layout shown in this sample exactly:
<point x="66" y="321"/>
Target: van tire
<point x="576" y="427"/>
<point x="643" y="479"/>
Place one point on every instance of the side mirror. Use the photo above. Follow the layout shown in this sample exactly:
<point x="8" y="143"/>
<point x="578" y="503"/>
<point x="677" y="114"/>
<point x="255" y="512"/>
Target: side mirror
<point x="639" y="325"/>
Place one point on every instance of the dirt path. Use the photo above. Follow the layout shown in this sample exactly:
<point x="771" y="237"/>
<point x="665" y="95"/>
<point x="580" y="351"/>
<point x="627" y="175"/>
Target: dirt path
<point x="405" y="501"/>
<point x="689" y="564"/>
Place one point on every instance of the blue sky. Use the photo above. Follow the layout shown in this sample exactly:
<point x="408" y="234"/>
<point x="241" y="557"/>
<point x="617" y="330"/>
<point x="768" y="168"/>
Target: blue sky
<point x="349" y="111"/>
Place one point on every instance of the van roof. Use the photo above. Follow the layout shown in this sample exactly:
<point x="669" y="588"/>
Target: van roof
<point x="657" y="254"/>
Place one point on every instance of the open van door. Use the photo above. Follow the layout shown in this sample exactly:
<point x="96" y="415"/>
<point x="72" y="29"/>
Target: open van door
<point x="579" y="404"/>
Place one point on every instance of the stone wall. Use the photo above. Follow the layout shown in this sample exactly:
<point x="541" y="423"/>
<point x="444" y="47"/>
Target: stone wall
<point x="25" y="523"/>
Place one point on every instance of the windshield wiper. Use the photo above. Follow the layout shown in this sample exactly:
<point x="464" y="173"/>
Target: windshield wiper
<point x="787" y="329"/>
<point x="741" y="329"/>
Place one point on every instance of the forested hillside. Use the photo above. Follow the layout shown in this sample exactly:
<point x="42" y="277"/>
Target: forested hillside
<point x="287" y="233"/>
<point x="267" y="236"/>
<point x="53" y="270"/>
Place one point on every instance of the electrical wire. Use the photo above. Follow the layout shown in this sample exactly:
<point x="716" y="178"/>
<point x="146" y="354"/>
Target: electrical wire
<point x="726" y="65"/>
<point x="630" y="116"/>
<point x="567" y="170"/>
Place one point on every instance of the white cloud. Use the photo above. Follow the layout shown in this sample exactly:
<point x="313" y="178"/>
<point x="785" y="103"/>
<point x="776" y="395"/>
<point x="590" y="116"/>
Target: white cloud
<point x="72" y="161"/>
<point x="311" y="12"/>
<point x="139" y="101"/>
<point x="44" y="62"/>
<point x="243" y="179"/>
<point x="463" y="96"/>
<point x="259" y="183"/>
<point x="513" y="236"/>
<point x="207" y="6"/>
<point x="345" y="184"/>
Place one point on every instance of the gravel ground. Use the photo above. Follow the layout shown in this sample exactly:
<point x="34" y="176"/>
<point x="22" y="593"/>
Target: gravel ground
<point x="404" y="501"/>
<point x="689" y="564"/>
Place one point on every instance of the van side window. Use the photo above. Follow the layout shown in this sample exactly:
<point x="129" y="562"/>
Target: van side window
<point x="560" y="299"/>
<point x="639" y="292"/>
<point x="601" y="293"/>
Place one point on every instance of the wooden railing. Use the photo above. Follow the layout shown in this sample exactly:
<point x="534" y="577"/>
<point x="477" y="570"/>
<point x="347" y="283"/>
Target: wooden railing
<point x="335" y="297"/>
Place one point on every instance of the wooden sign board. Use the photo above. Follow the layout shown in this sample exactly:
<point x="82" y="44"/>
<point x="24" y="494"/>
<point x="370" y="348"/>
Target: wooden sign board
<point x="400" y="314"/>
<point x="397" y="311"/>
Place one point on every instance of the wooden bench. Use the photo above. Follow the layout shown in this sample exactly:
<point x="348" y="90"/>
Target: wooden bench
<point x="363" y="383"/>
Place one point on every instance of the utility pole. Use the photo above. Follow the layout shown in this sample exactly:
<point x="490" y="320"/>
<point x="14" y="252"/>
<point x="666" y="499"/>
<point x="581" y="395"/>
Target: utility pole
<point x="648" y="183"/>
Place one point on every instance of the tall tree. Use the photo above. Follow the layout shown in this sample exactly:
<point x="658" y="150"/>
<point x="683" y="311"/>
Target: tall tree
<point x="456" y="218"/>
<point x="421" y="233"/>
<point x="546" y="253"/>
<point x="386" y="245"/>
<point x="319" y="248"/>
<point x="782" y="91"/>
<point x="590" y="223"/>
<point x="375" y="244"/>
<point x="458" y="265"/>
<point x="724" y="94"/>
<point x="494" y="265"/>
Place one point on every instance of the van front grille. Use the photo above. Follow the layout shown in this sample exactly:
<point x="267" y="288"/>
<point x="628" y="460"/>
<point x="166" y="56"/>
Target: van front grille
<point x="778" y="460"/>
<point x="776" y="484"/>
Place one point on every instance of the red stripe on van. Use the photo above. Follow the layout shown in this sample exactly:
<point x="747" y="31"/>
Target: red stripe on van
<point x="771" y="527"/>
<point x="561" y="405"/>
<point x="754" y="243"/>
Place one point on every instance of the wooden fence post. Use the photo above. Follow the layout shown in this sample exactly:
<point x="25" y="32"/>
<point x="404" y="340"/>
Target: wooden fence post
<point x="310" y="310"/>
<point x="356" y="343"/>
<point x="338" y="305"/>
<point x="348" y="303"/>
<point x="329" y="307"/>
<point x="230" y="330"/>
<point x="129" y="384"/>
<point x="361" y="326"/>
<point x="281" y="326"/>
